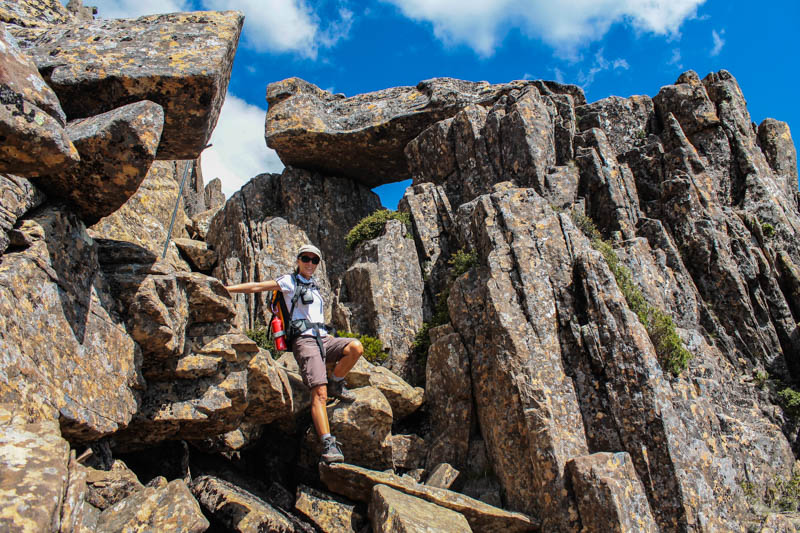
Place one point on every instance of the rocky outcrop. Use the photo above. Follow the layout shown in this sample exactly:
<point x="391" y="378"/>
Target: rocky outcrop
<point x="363" y="137"/>
<point x="188" y="57"/>
<point x="58" y="326"/>
<point x="381" y="295"/>
<point x="213" y="196"/>
<point x="392" y="510"/>
<point x="17" y="197"/>
<point x="117" y="148"/>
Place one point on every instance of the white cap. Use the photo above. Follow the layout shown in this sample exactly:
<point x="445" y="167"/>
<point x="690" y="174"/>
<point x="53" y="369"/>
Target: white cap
<point x="309" y="248"/>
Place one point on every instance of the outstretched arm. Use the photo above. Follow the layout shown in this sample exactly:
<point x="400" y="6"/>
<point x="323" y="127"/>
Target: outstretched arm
<point x="254" y="286"/>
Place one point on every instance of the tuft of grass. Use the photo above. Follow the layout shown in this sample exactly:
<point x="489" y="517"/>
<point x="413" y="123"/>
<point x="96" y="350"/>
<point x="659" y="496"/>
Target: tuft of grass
<point x="260" y="334"/>
<point x="372" y="225"/>
<point x="761" y="378"/>
<point x="672" y="354"/>
<point x="768" y="230"/>
<point x="373" y="348"/>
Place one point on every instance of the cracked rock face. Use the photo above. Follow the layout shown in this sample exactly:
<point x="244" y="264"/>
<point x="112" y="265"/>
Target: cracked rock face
<point x="181" y="61"/>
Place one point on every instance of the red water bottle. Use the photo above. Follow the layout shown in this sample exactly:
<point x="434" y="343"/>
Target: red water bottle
<point x="278" y="333"/>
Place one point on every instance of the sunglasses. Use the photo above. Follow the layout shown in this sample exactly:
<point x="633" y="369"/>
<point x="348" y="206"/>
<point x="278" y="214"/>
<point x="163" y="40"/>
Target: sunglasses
<point x="307" y="258"/>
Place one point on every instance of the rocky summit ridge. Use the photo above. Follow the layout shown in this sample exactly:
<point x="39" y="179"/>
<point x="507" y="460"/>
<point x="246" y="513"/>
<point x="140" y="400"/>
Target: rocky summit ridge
<point x="588" y="310"/>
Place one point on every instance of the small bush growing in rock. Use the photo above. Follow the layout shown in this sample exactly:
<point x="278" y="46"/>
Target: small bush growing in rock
<point x="790" y="401"/>
<point x="461" y="261"/>
<point x="373" y="348"/>
<point x="422" y="340"/>
<point x="260" y="334"/>
<point x="768" y="230"/>
<point x="672" y="354"/>
<point x="372" y="225"/>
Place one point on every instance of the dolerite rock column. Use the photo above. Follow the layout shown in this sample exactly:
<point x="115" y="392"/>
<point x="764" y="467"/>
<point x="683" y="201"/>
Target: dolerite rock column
<point x="117" y="149"/>
<point x="381" y="296"/>
<point x="181" y="61"/>
<point x="31" y="120"/>
<point x="506" y="314"/>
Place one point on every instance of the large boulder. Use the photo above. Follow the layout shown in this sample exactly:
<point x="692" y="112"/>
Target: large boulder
<point x="610" y="495"/>
<point x="402" y="397"/>
<point x="363" y="428"/>
<point x="381" y="296"/>
<point x="31" y="120"/>
<point x="393" y="511"/>
<point x="357" y="484"/>
<point x="60" y="326"/>
<point x="239" y="510"/>
<point x="328" y="512"/>
<point x="363" y="137"/>
<point x="117" y="148"/>
<point x="181" y="61"/>
<point x="168" y="508"/>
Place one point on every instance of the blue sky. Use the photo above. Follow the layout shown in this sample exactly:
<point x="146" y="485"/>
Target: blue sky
<point x="608" y="47"/>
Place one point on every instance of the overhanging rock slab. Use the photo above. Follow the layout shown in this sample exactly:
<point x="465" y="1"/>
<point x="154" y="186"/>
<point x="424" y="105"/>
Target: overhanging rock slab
<point x="363" y="137"/>
<point x="181" y="61"/>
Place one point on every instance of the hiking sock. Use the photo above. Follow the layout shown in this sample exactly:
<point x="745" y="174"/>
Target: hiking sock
<point x="325" y="436"/>
<point x="336" y="378"/>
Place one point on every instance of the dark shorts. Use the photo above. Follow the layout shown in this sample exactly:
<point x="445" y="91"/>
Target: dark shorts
<point x="312" y="367"/>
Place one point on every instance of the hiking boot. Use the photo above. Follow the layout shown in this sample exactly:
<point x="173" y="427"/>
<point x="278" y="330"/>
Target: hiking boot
<point x="338" y="390"/>
<point x="331" y="453"/>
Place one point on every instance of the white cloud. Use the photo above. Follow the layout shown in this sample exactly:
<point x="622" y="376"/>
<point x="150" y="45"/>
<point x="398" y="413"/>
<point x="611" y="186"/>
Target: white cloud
<point x="719" y="42"/>
<point x="286" y="25"/>
<point x="270" y="25"/>
<point x="113" y="9"/>
<point x="676" y="58"/>
<point x="564" y="25"/>
<point x="239" y="152"/>
<point x="599" y="65"/>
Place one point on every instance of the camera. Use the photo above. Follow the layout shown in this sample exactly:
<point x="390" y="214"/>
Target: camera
<point x="305" y="296"/>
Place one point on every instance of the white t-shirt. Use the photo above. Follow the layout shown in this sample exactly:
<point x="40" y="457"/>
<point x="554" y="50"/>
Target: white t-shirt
<point x="313" y="312"/>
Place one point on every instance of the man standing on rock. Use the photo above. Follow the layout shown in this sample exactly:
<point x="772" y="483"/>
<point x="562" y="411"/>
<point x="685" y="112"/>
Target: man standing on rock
<point x="310" y="343"/>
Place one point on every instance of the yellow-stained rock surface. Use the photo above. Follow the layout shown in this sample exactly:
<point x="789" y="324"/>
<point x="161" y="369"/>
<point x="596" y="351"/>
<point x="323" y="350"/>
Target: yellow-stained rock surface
<point x="392" y="511"/>
<point x="181" y="61"/>
<point x="63" y="345"/>
<point x="34" y="474"/>
<point x="34" y="12"/>
<point x="328" y="512"/>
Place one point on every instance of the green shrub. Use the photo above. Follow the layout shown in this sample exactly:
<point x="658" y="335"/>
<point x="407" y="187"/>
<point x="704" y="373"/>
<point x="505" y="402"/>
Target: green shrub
<point x="768" y="230"/>
<point x="461" y="261"/>
<point x="372" y="225"/>
<point x="790" y="401"/>
<point x="761" y="378"/>
<point x="784" y="494"/>
<point x="373" y="348"/>
<point x="672" y="354"/>
<point x="260" y="334"/>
